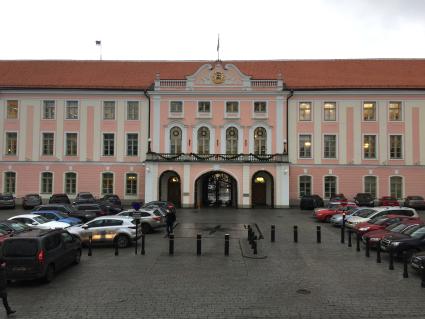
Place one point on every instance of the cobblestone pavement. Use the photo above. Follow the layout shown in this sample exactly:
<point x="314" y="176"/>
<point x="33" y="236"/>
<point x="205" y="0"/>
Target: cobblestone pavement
<point x="295" y="280"/>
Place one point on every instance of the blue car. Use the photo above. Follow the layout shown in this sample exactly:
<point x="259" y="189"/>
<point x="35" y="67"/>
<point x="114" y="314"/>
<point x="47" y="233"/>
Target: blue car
<point x="58" y="216"/>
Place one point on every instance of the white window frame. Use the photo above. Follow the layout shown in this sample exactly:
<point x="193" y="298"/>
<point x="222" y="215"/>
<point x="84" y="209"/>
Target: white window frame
<point x="43" y="109"/>
<point x="5" y="144"/>
<point x="126" y="195"/>
<point x="336" y="187"/>
<point x="323" y="111"/>
<point x="128" y="113"/>
<point x="101" y="182"/>
<point x="311" y="111"/>
<point x="65" y="144"/>
<point x="41" y="184"/>
<point x="126" y="144"/>
<point x="260" y="115"/>
<point x="203" y="114"/>
<point x="66" y="110"/>
<point x="4" y="181"/>
<point x="7" y="110"/>
<point x="76" y="183"/>
<point x="375" y="109"/>
<point x="401" y="111"/>
<point x="103" y="144"/>
<point x="311" y="184"/>
<point x="403" y="185"/>
<point x="232" y="115"/>
<point x="402" y="147"/>
<point x="323" y="146"/>
<point x="298" y="146"/>
<point x="376" y="147"/>
<point x="175" y="114"/>
<point x="41" y="142"/>
<point x="103" y="110"/>
<point x="377" y="184"/>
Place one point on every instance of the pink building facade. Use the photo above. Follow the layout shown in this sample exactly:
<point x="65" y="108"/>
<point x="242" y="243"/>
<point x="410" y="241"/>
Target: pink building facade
<point x="202" y="134"/>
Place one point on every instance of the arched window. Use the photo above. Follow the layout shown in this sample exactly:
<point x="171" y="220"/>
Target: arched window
<point x="131" y="184"/>
<point x="203" y="140"/>
<point x="305" y="185"/>
<point x="10" y="182"/>
<point x="70" y="183"/>
<point x="396" y="186"/>
<point x="260" y="140"/>
<point x="231" y="140"/>
<point x="107" y="183"/>
<point x="370" y="184"/>
<point x="175" y="140"/>
<point x="330" y="186"/>
<point x="46" y="183"/>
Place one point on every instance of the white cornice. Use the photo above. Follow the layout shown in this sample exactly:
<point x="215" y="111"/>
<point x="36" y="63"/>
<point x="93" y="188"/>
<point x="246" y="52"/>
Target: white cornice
<point x="71" y="91"/>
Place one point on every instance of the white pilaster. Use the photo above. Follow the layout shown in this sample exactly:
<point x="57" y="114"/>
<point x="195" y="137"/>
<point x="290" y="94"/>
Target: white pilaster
<point x="97" y="136"/>
<point x="342" y="136"/>
<point x="293" y="136"/>
<point x="408" y="135"/>
<point x="383" y="133"/>
<point x="121" y="140"/>
<point x="83" y="130"/>
<point x="186" y="186"/>
<point x="59" y="142"/>
<point x="357" y="132"/>
<point x="151" y="182"/>
<point x="280" y="134"/>
<point x="36" y="136"/>
<point x="2" y="133"/>
<point x="317" y="136"/>
<point x="156" y="123"/>
<point x="22" y="134"/>
<point x="246" y="193"/>
<point x="422" y="135"/>
<point x="282" y="186"/>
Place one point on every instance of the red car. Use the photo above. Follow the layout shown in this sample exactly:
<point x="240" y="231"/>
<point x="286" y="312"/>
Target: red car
<point x="4" y="235"/>
<point x="376" y="236"/>
<point x="380" y="222"/>
<point x="388" y="201"/>
<point x="325" y="214"/>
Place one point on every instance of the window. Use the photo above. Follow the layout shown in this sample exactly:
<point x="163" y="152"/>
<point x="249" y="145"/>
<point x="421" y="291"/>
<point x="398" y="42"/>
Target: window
<point x="329" y="146"/>
<point x="49" y="110"/>
<point x="131" y="184"/>
<point x="132" y="144"/>
<point x="132" y="110"/>
<point x="330" y="186"/>
<point x="176" y="107"/>
<point x="71" y="183"/>
<point x="203" y="140"/>
<point x="370" y="185"/>
<point x="10" y="182"/>
<point x="305" y="111"/>
<point x="232" y="107"/>
<point x="71" y="110"/>
<point x="260" y="141"/>
<point x="109" y="110"/>
<point x="369" y="146"/>
<point x="396" y="150"/>
<point x="260" y="107"/>
<point x="46" y="183"/>
<point x="108" y="144"/>
<point x="396" y="187"/>
<point x="175" y="140"/>
<point x="305" y="185"/>
<point x="12" y="109"/>
<point x="369" y="111"/>
<point x="232" y="140"/>
<point x="11" y="143"/>
<point x="107" y="183"/>
<point x="395" y="111"/>
<point x="204" y="107"/>
<point x="329" y="111"/>
<point x="71" y="144"/>
<point x="305" y="146"/>
<point x="48" y="143"/>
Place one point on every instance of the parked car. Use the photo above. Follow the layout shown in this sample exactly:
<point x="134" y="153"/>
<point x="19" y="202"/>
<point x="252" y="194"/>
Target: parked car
<point x="98" y="209"/>
<point x="338" y="198"/>
<point x="410" y="243"/>
<point x="58" y="216"/>
<point x="370" y="213"/>
<point x="336" y="220"/>
<point x="163" y="204"/>
<point x="84" y="198"/>
<point x="113" y="201"/>
<point x="40" y="254"/>
<point x="14" y="226"/>
<point x="59" y="199"/>
<point x="388" y="201"/>
<point x="107" y="230"/>
<point x="150" y="219"/>
<point x="325" y="214"/>
<point x="31" y="200"/>
<point x="311" y="202"/>
<point x="376" y="236"/>
<point x="380" y="222"/>
<point x="4" y="235"/>
<point x="416" y="202"/>
<point x="7" y="201"/>
<point x="364" y="199"/>
<point x="38" y="222"/>
<point x="417" y="261"/>
<point x="69" y="210"/>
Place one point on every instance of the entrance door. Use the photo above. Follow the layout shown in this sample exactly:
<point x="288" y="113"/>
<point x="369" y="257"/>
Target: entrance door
<point x="262" y="189"/>
<point x="173" y="190"/>
<point x="259" y="194"/>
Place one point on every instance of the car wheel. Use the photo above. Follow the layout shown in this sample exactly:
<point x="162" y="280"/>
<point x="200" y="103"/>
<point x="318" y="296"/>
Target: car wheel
<point x="50" y="273"/>
<point x="77" y="257"/>
<point x="122" y="241"/>
<point x="146" y="228"/>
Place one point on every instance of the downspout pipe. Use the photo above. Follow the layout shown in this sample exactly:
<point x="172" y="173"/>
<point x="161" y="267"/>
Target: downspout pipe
<point x="145" y="92"/>
<point x="291" y="94"/>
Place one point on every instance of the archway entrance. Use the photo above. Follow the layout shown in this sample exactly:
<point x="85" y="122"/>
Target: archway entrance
<point x="170" y="188"/>
<point x="262" y="189"/>
<point x="216" y="189"/>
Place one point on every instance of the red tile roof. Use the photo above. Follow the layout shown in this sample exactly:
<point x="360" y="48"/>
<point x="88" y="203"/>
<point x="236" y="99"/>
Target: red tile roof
<point x="297" y="74"/>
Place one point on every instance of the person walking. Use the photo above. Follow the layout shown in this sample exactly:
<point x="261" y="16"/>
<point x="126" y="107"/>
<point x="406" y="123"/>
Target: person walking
<point x="170" y="219"/>
<point x="3" y="286"/>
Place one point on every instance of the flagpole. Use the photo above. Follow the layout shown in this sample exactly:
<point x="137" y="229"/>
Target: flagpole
<point x="99" y="44"/>
<point x="218" y="47"/>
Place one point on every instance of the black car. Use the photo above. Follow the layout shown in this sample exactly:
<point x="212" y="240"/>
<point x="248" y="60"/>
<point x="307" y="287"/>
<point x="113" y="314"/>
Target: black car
<point x="13" y="226"/>
<point x="364" y="199"/>
<point x="40" y="254"/>
<point x="112" y="200"/>
<point x="84" y="198"/>
<point x="59" y="199"/>
<point x="97" y="209"/>
<point x="417" y="261"/>
<point x="410" y="242"/>
<point x="69" y="210"/>
<point x="311" y="202"/>
<point x="31" y="200"/>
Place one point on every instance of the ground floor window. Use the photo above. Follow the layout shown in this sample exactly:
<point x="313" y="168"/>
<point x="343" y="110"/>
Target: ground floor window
<point x="46" y="183"/>
<point x="131" y="184"/>
<point x="370" y="185"/>
<point x="305" y="185"/>
<point x="330" y="186"/>
<point x="107" y="183"/>
<point x="10" y="182"/>
<point x="396" y="186"/>
<point x="71" y="183"/>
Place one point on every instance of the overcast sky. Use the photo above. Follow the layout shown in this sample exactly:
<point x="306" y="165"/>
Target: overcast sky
<point x="187" y="29"/>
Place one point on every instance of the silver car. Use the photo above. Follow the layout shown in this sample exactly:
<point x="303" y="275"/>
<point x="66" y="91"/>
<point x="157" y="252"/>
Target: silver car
<point x="150" y="219"/>
<point x="107" y="230"/>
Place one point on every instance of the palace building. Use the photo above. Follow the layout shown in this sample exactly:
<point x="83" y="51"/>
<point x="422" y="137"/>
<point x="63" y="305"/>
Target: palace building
<point x="213" y="133"/>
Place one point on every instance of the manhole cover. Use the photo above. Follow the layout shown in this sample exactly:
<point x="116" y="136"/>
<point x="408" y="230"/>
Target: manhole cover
<point x="303" y="292"/>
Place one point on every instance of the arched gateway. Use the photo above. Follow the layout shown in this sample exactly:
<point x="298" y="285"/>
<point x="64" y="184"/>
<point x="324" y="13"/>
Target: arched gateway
<point x="216" y="189"/>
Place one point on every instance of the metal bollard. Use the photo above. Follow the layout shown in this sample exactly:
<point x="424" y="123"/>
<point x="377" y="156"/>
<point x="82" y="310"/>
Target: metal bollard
<point x="226" y="244"/>
<point x="273" y="234"/>
<point x="391" y="266"/>
<point x="295" y="234"/>
<point x="357" y="242"/>
<point x="254" y="238"/>
<point x="249" y="233"/>
<point x="255" y="247"/>
<point x="90" y="245"/>
<point x="349" y="238"/>
<point x="405" y="273"/>
<point x="135" y="244"/>
<point x="171" y="245"/>
<point x="367" y="247"/>
<point x="143" y="244"/>
<point x="423" y="274"/>
<point x="198" y="244"/>
<point x="318" y="234"/>
<point x="116" y="246"/>
<point x="378" y="252"/>
<point x="343" y="229"/>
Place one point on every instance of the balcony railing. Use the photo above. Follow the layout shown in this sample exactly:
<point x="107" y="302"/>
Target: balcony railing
<point x="226" y="158"/>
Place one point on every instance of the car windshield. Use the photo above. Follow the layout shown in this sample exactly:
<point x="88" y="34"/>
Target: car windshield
<point x="7" y="197"/>
<point x="20" y="248"/>
<point x="416" y="198"/>
<point x="86" y="196"/>
<point x="365" y="213"/>
<point x="418" y="233"/>
<point x="378" y="221"/>
<point x="41" y="219"/>
<point x="33" y="197"/>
